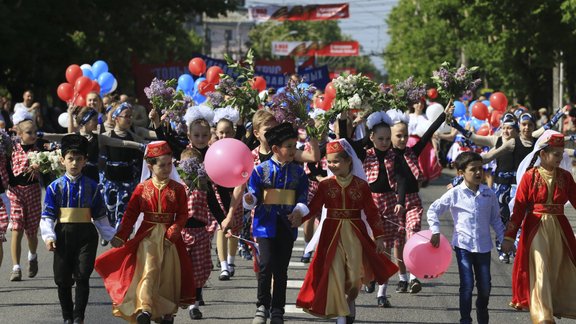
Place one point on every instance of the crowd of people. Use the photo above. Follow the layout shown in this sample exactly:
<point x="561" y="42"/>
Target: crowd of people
<point x="354" y="189"/>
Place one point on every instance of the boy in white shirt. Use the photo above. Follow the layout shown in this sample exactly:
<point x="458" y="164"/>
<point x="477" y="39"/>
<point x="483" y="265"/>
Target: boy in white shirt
<point x="474" y="208"/>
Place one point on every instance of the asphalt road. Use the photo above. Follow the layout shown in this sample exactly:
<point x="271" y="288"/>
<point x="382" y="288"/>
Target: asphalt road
<point x="35" y="300"/>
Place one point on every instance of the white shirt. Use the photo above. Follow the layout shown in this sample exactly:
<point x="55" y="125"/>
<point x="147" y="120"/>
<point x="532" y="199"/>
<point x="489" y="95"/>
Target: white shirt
<point x="473" y="214"/>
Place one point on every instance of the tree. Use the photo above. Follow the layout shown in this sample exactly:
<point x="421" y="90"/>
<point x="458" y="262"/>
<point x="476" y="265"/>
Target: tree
<point x="41" y="38"/>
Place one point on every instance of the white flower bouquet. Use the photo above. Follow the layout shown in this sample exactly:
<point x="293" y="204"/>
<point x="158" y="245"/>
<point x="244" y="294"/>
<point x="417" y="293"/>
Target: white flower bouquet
<point x="47" y="162"/>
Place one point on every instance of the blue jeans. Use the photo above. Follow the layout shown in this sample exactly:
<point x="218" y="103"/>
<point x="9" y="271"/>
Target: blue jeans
<point x="473" y="265"/>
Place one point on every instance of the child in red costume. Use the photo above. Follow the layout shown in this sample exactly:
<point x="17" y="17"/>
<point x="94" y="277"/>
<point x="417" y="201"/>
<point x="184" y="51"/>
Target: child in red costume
<point x="351" y="257"/>
<point x="135" y="274"/>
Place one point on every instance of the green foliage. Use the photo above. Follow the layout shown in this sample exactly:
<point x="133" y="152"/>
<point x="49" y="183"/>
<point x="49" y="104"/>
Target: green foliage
<point x="515" y="44"/>
<point x="41" y="38"/>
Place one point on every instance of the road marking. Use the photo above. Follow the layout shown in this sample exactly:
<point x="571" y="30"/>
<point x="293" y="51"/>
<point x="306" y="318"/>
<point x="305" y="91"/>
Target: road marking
<point x="292" y="309"/>
<point x="298" y="264"/>
<point x="298" y="249"/>
<point x="296" y="284"/>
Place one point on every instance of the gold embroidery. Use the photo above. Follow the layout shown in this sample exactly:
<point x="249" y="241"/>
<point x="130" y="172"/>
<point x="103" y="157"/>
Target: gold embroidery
<point x="147" y="192"/>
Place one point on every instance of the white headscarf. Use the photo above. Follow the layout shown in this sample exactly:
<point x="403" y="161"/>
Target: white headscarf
<point x="358" y="171"/>
<point x="376" y="118"/>
<point x="227" y="113"/>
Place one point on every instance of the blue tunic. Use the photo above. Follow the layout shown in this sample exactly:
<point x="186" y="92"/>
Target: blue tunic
<point x="80" y="193"/>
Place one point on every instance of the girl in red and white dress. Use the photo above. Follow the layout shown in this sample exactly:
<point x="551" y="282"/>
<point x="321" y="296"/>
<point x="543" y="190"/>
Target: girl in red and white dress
<point x="351" y="257"/>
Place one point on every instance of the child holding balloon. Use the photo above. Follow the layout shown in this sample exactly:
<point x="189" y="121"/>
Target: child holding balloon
<point x="474" y="208"/>
<point x="277" y="191"/>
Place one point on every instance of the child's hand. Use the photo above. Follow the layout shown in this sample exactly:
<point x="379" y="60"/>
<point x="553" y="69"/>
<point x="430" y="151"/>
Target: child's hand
<point x="228" y="222"/>
<point x="116" y="242"/>
<point x="435" y="240"/>
<point x="507" y="246"/>
<point x="295" y="219"/>
<point x="51" y="245"/>
<point x="399" y="210"/>
<point x="380" y="245"/>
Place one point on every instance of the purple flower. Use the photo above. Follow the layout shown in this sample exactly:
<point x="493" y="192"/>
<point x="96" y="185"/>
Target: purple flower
<point x="215" y="99"/>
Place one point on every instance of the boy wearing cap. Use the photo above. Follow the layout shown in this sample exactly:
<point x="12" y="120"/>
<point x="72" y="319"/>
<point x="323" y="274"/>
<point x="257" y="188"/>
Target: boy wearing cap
<point x="278" y="191"/>
<point x="72" y="206"/>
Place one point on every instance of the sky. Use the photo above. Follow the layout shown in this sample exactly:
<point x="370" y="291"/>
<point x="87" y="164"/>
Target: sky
<point x="366" y="24"/>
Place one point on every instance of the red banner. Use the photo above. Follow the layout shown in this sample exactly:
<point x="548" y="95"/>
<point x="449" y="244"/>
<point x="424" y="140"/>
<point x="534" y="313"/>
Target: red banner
<point x="338" y="49"/>
<point x="310" y="12"/>
<point x="284" y="66"/>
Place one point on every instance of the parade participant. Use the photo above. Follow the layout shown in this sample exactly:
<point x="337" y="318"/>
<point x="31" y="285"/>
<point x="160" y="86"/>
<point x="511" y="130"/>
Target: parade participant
<point x="135" y="273"/>
<point x="195" y="234"/>
<point x="474" y="208"/>
<point x="350" y="257"/>
<point x="122" y="166"/>
<point x="406" y="164"/>
<point x="87" y="120"/>
<point x="277" y="189"/>
<point x="25" y="196"/>
<point x="5" y="169"/>
<point x="544" y="271"/>
<point x="72" y="202"/>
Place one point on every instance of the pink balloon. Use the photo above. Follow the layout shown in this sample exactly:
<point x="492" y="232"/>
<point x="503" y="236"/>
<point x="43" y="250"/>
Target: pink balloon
<point x="425" y="261"/>
<point x="229" y="162"/>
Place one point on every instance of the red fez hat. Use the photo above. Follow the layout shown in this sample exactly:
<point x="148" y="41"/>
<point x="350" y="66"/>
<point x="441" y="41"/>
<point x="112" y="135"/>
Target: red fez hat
<point x="334" y="147"/>
<point x="156" y="149"/>
<point x="556" y="140"/>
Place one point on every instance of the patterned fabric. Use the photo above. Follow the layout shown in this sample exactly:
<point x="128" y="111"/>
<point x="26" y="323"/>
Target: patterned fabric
<point x="116" y="196"/>
<point x="312" y="189"/>
<point x="238" y="214"/>
<point x="410" y="158"/>
<point x="412" y="220"/>
<point x="372" y="166"/>
<point x="19" y="160"/>
<point x="4" y="173"/>
<point x="81" y="193"/>
<point x="503" y="191"/>
<point x="3" y="221"/>
<point x="198" y="206"/>
<point x="386" y="203"/>
<point x="198" y="246"/>
<point x="26" y="208"/>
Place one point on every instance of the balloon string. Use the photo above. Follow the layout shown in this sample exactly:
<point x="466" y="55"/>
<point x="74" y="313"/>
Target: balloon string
<point x="411" y="230"/>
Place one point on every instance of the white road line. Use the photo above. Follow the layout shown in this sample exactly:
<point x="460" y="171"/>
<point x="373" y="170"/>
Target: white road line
<point x="292" y="309"/>
<point x="298" y="264"/>
<point x="296" y="284"/>
<point x="298" y="249"/>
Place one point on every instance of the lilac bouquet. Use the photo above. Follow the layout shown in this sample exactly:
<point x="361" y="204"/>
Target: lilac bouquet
<point x="192" y="172"/>
<point x="403" y="94"/>
<point x="238" y="92"/>
<point x="453" y="83"/>
<point x="170" y="103"/>
<point x="293" y="105"/>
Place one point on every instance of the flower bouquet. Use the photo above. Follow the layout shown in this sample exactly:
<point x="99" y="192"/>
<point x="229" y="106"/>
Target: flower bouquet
<point x="293" y="105"/>
<point x="192" y="172"/>
<point x="238" y="92"/>
<point x="47" y="162"/>
<point x="403" y="94"/>
<point x="171" y="103"/>
<point x="453" y="83"/>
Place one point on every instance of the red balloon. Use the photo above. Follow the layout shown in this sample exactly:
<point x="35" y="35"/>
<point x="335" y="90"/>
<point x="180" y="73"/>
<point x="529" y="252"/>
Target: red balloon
<point x="484" y="130"/>
<point x="499" y="101"/>
<point x="259" y="84"/>
<point x="330" y="91"/>
<point x="324" y="103"/>
<point x="432" y="93"/>
<point x="65" y="91"/>
<point x="80" y="101"/>
<point x="197" y="66"/>
<point x="495" y="118"/>
<point x="213" y="74"/>
<point x="83" y="85"/>
<point x="480" y="111"/>
<point x="95" y="86"/>
<point x="204" y="87"/>
<point x="73" y="72"/>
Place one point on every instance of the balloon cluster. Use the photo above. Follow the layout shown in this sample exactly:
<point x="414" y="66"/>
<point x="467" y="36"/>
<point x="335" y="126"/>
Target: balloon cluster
<point x="325" y="102"/>
<point x="486" y="114"/>
<point x="85" y="79"/>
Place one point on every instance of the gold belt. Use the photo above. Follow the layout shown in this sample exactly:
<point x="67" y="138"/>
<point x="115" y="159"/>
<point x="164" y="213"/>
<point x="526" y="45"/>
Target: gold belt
<point x="75" y="215"/>
<point x="343" y="213"/>
<point x="279" y="197"/>
<point x="159" y="217"/>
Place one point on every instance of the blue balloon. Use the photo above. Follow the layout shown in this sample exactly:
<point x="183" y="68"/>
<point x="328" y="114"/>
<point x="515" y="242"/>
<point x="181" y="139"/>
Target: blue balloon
<point x="198" y="97"/>
<point x="459" y="109"/>
<point x="106" y="81"/>
<point x="197" y="83"/>
<point x="88" y="73"/>
<point x="477" y="123"/>
<point x="98" y="68"/>
<point x="280" y="90"/>
<point x="486" y="103"/>
<point x="471" y="104"/>
<point x="463" y="121"/>
<point x="186" y="82"/>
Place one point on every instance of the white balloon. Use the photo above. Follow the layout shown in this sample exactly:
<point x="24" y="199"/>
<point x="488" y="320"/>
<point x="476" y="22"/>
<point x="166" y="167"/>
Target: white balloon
<point x="63" y="120"/>
<point x="263" y="95"/>
<point x="86" y="66"/>
<point x="114" y="86"/>
<point x="433" y="111"/>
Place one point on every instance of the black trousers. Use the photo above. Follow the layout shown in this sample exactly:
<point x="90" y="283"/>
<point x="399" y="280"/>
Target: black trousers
<point x="76" y="245"/>
<point x="275" y="254"/>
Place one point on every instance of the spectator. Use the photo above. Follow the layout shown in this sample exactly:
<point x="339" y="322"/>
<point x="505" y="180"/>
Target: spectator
<point x="139" y="112"/>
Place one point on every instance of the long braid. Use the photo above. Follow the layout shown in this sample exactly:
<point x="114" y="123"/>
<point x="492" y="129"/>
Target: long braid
<point x="533" y="161"/>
